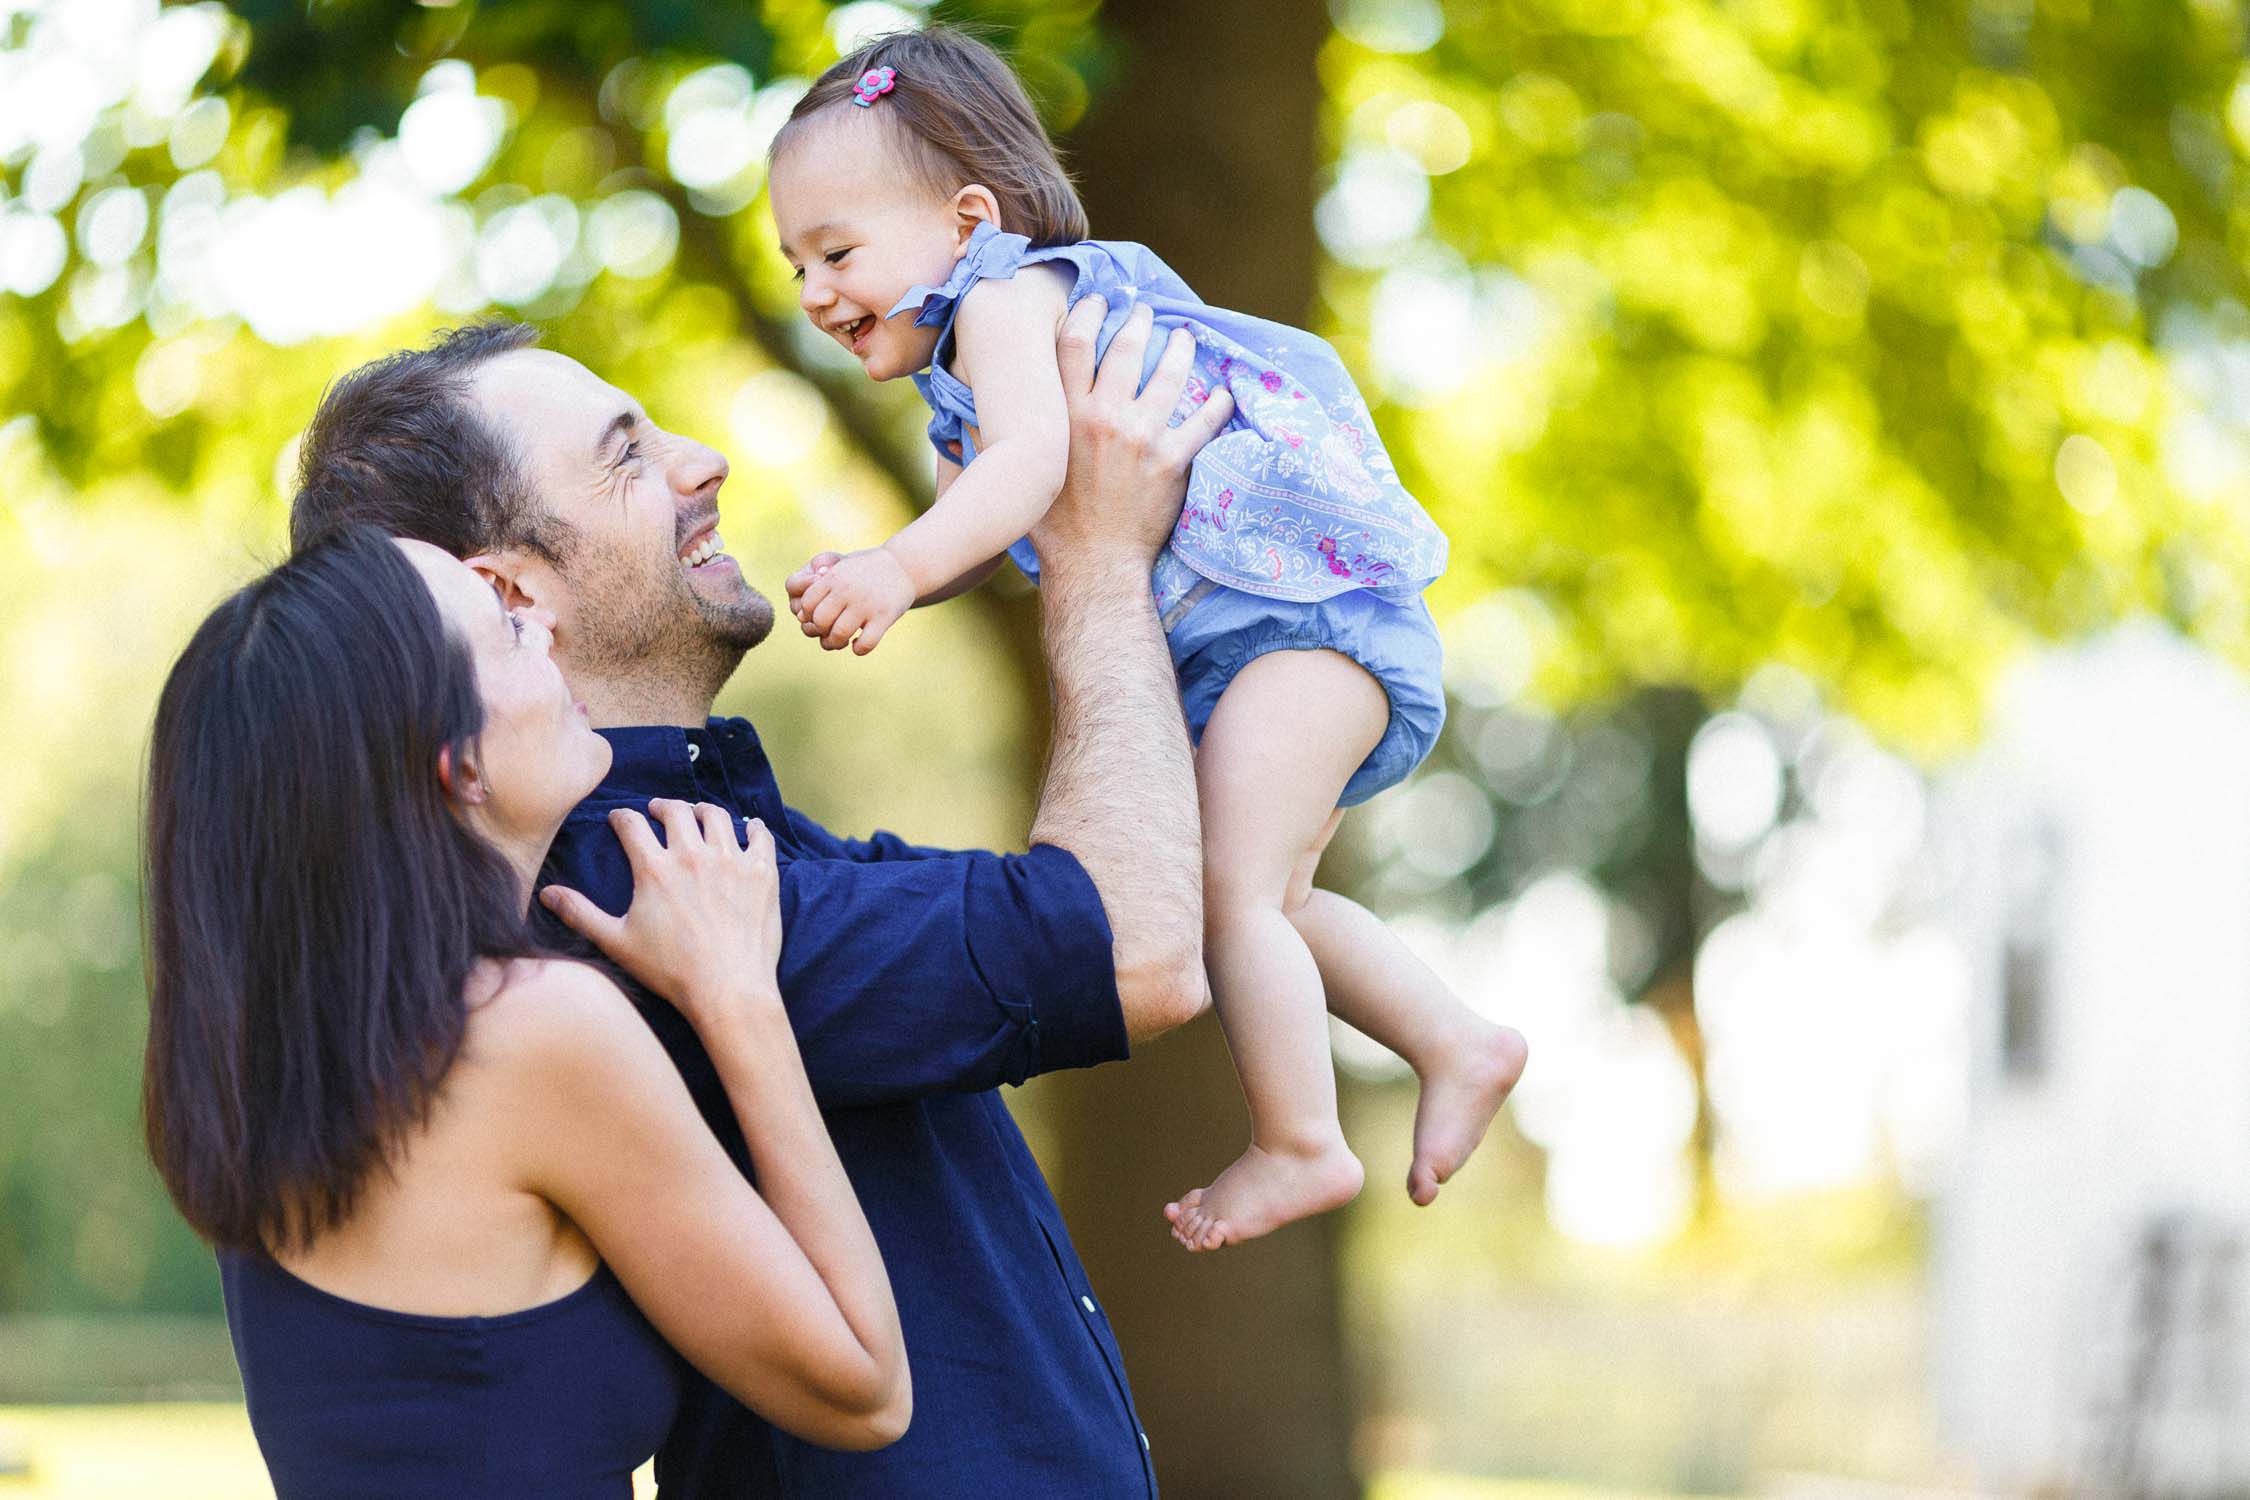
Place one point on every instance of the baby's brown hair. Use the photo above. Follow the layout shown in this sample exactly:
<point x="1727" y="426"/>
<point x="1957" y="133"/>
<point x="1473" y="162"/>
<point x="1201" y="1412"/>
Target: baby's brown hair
<point x="960" y="115"/>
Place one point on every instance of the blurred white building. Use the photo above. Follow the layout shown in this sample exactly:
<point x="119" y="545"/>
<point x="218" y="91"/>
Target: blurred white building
<point x="2092" y="1288"/>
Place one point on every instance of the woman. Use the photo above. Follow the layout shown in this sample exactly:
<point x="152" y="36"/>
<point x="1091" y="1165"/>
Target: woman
<point x="461" y="1198"/>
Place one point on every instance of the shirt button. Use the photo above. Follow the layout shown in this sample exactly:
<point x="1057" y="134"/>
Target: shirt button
<point x="1144" y="1442"/>
<point x="1087" y="1303"/>
<point x="694" y="751"/>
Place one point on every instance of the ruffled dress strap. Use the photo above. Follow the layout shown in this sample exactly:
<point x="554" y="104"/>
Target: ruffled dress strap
<point x="990" y="255"/>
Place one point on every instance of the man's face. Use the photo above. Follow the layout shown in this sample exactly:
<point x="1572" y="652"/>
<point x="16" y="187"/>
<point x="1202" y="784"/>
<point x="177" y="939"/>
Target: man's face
<point x="644" y="587"/>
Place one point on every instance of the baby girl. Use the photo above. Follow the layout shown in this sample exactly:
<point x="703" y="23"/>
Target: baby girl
<point x="935" y="235"/>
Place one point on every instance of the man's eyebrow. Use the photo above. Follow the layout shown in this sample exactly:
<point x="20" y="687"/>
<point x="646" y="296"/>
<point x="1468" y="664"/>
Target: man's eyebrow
<point x="623" y="422"/>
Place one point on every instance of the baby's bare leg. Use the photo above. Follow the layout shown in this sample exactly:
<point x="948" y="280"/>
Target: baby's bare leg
<point x="1286" y="735"/>
<point x="1374" y="982"/>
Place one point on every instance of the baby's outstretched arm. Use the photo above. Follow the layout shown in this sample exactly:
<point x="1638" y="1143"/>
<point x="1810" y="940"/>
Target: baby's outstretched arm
<point x="1005" y="351"/>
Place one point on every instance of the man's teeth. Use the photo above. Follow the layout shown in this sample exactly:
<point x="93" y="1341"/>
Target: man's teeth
<point x="703" y="551"/>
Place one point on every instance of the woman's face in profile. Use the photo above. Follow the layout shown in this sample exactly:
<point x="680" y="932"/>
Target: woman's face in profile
<point x="538" y="755"/>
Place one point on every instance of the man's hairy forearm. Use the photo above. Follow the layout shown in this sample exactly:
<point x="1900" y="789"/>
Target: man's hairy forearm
<point x="1120" y="784"/>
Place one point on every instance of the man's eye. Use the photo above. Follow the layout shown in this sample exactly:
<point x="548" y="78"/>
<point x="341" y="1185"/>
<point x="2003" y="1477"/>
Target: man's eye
<point x="631" y="453"/>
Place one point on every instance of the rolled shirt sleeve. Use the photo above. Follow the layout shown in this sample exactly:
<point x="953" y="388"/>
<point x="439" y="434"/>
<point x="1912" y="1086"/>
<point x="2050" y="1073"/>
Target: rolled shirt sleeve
<point x="944" y="974"/>
<point x="938" y="972"/>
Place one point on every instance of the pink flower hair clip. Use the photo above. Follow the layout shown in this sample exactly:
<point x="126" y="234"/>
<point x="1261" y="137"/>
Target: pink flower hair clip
<point x="873" y="85"/>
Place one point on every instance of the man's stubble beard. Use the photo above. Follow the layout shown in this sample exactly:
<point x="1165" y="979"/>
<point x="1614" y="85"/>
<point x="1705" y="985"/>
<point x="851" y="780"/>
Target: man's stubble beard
<point x="664" y="629"/>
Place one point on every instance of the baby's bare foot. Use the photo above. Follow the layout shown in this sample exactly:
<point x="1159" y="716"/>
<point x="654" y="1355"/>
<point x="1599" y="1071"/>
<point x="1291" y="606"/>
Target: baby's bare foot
<point x="1459" y="1100"/>
<point x="1264" y="1190"/>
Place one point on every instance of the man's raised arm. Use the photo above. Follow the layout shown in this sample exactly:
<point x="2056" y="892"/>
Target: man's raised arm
<point x="1119" y="792"/>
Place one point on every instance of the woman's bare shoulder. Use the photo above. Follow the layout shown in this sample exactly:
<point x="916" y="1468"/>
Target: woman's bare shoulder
<point x="550" y="1009"/>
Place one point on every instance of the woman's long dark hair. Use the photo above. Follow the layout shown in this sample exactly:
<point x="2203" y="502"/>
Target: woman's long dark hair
<point x="314" y="908"/>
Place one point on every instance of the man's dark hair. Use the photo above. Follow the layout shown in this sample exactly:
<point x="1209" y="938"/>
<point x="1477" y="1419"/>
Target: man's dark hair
<point x="313" y="906"/>
<point x="398" y="444"/>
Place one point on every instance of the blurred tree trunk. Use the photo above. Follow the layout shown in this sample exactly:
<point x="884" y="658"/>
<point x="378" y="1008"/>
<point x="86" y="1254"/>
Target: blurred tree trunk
<point x="1205" y="145"/>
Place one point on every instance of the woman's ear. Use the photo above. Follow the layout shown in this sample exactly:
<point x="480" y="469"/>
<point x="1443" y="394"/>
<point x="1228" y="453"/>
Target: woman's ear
<point x="974" y="205"/>
<point x="459" y="778"/>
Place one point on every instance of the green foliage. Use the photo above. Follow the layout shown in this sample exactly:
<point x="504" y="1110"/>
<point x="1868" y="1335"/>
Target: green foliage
<point x="1851" y="329"/>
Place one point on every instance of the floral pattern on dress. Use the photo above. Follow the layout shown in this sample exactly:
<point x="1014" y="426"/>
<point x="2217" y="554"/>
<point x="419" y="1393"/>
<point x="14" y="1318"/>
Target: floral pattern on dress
<point x="1295" y="499"/>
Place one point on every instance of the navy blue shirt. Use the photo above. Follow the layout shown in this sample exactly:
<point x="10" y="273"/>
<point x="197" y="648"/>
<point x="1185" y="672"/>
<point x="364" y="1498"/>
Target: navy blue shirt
<point x="917" y="980"/>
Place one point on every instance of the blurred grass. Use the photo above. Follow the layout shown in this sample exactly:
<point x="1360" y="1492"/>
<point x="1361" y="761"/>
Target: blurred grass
<point x="203" y="1450"/>
<point x="189" y="1450"/>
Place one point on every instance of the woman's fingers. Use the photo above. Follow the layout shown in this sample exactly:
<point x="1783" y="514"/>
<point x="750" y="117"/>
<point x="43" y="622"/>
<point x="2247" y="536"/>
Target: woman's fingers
<point x="757" y="840"/>
<point x="680" y="831"/>
<point x="633" y="831"/>
<point x="581" y="915"/>
<point x="718" y="826"/>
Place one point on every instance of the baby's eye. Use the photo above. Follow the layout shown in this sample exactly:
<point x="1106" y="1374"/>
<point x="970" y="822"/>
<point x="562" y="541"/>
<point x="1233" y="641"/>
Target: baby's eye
<point x="835" y="256"/>
<point x="796" y="273"/>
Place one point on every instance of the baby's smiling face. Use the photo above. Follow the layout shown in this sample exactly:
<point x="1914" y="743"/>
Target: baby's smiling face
<point x="860" y="229"/>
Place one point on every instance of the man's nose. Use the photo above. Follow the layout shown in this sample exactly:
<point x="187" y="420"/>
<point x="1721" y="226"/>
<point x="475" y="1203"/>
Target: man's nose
<point x="698" y="468"/>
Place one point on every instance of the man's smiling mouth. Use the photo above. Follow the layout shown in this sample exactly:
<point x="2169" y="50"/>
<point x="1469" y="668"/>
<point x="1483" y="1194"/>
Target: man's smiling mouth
<point x="709" y="550"/>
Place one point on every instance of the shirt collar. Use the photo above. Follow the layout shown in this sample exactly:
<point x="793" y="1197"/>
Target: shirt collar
<point x="659" y="760"/>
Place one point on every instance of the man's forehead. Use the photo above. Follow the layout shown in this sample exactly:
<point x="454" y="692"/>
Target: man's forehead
<point x="538" y="388"/>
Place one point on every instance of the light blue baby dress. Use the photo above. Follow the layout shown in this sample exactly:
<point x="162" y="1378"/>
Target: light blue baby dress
<point x="1296" y="532"/>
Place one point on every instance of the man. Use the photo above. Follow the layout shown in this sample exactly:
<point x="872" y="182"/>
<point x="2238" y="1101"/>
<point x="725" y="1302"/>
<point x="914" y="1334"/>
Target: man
<point x="918" y="980"/>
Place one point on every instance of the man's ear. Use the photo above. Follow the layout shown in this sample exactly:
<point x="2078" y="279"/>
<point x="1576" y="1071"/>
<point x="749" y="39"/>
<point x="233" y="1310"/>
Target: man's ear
<point x="517" y="587"/>
<point x="974" y="205"/>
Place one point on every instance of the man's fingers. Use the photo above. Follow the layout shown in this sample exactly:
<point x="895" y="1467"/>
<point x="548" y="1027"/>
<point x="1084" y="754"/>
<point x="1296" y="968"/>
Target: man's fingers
<point x="757" y="842"/>
<point x="1205" y="422"/>
<point x="580" y="915"/>
<point x="1074" y="346"/>
<point x="1119" y="377"/>
<point x="1171" y="374"/>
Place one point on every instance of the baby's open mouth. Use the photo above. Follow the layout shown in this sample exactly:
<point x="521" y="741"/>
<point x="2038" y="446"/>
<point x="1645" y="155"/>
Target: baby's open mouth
<point x="856" y="328"/>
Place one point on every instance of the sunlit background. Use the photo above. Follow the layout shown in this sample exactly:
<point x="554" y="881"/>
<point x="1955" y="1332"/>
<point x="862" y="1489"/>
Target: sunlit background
<point x="1841" y="413"/>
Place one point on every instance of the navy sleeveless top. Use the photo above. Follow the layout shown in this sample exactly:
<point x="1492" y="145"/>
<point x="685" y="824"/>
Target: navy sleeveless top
<point x="351" y="1402"/>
